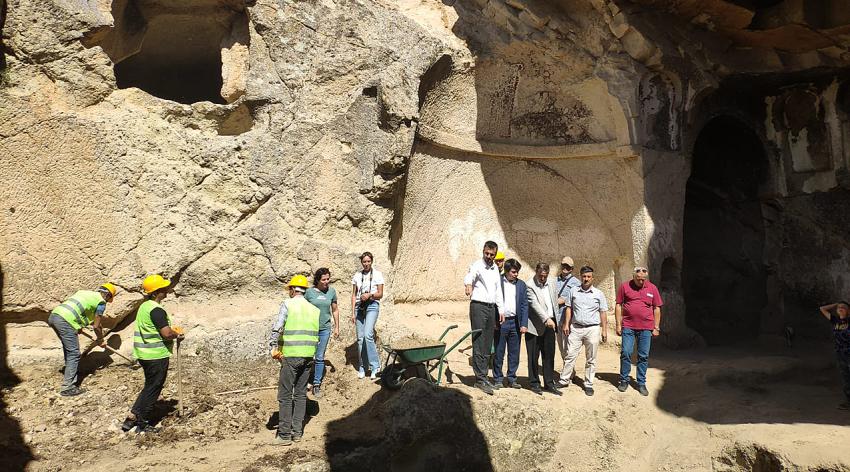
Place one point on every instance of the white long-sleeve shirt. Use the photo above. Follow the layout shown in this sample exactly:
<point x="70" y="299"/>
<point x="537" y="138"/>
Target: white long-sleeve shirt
<point x="510" y="298"/>
<point x="486" y="283"/>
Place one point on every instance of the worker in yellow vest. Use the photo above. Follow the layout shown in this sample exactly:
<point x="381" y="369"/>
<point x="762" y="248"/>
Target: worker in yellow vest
<point x="153" y="340"/>
<point x="293" y="342"/>
<point x="81" y="309"/>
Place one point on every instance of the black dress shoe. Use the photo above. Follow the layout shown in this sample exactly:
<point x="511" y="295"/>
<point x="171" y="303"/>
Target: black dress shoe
<point x="484" y="387"/>
<point x="536" y="389"/>
<point x="553" y="390"/>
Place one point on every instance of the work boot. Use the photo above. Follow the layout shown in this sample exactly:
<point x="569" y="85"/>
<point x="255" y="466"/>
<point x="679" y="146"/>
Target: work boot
<point x="643" y="391"/>
<point x="144" y="427"/>
<point x="623" y="386"/>
<point x="282" y="440"/>
<point x="317" y="391"/>
<point x="72" y="391"/>
<point x="484" y="387"/>
<point x="128" y="424"/>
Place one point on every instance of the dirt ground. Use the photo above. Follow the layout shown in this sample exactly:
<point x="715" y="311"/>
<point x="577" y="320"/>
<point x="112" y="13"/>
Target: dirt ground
<point x="763" y="408"/>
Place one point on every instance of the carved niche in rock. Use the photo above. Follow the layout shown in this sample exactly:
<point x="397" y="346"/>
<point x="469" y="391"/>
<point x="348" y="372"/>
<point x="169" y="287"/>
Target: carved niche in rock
<point x="660" y="101"/>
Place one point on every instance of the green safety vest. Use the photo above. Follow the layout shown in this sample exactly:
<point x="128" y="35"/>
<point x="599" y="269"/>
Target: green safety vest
<point x="148" y="345"/>
<point x="79" y="310"/>
<point x="300" y="333"/>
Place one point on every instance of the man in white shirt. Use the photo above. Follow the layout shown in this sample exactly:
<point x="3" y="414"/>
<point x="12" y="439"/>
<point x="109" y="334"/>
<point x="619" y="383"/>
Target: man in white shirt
<point x="483" y="286"/>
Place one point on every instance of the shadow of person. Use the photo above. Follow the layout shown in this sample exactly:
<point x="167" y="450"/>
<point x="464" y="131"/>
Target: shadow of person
<point x="311" y="412"/>
<point x="16" y="454"/>
<point x="610" y="377"/>
<point x="98" y="359"/>
<point x="161" y="409"/>
<point x="418" y="428"/>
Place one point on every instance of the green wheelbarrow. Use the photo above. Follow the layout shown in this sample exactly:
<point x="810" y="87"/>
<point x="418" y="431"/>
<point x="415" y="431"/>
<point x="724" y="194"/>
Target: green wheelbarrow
<point x="425" y="358"/>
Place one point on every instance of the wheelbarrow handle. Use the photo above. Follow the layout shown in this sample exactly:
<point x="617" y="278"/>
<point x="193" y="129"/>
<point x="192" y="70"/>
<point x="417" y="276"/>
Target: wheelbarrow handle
<point x="447" y="331"/>
<point x="447" y="351"/>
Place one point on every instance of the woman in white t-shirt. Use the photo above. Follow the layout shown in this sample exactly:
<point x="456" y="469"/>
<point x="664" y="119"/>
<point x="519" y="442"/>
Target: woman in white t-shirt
<point x="367" y="290"/>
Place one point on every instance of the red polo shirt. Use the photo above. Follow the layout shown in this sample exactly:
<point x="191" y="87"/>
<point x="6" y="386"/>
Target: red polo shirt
<point x="638" y="304"/>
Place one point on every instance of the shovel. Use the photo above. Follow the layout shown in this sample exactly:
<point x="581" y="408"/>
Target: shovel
<point x="106" y="346"/>
<point x="179" y="381"/>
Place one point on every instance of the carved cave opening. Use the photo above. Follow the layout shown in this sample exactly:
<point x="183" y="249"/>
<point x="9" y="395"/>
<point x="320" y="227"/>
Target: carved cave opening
<point x="723" y="271"/>
<point x="174" y="51"/>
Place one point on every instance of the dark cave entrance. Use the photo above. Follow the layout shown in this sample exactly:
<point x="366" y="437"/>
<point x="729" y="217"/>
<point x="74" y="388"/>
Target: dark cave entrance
<point x="172" y="52"/>
<point x="723" y="271"/>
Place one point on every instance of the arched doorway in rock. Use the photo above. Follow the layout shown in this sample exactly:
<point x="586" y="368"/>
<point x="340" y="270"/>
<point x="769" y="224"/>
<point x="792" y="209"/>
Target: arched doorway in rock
<point x="723" y="271"/>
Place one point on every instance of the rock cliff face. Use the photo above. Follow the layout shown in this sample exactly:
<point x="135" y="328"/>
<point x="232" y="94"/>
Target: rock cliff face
<point x="231" y="144"/>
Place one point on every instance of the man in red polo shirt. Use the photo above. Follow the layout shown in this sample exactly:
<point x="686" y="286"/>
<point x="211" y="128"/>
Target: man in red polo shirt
<point x="638" y="314"/>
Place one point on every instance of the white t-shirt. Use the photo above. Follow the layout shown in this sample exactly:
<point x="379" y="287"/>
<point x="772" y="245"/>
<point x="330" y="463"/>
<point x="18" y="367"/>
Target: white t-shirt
<point x="367" y="283"/>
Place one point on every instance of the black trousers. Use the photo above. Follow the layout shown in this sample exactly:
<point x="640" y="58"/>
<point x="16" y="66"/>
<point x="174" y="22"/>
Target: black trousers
<point x="482" y="316"/>
<point x="155" y="373"/>
<point x="537" y="346"/>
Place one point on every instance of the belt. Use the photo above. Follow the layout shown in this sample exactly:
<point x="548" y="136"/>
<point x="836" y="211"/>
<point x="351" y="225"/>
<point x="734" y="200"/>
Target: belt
<point x="483" y="303"/>
<point x="584" y="325"/>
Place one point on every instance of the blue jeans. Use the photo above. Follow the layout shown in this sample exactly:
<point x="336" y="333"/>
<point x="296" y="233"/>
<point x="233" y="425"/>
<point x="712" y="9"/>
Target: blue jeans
<point x="365" y="324"/>
<point x="319" y="366"/>
<point x="644" y="339"/>
<point x="507" y="337"/>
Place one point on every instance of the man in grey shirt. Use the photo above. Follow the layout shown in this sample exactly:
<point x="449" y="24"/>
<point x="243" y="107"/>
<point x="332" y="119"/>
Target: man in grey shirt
<point x="586" y="321"/>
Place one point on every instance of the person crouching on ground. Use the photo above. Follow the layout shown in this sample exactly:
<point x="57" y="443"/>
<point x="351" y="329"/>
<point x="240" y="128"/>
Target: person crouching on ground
<point x="367" y="289"/>
<point x="294" y="338"/>
<point x="153" y="341"/>
<point x="509" y="333"/>
<point x="83" y="308"/>
<point x="323" y="296"/>
<point x="841" y="336"/>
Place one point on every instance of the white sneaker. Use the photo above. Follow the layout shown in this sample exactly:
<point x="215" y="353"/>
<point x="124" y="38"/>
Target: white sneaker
<point x="374" y="375"/>
<point x="361" y="374"/>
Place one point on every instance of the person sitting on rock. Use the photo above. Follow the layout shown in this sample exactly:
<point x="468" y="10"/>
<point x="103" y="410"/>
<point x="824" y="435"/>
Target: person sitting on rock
<point x="68" y="320"/>
<point x="153" y="341"/>
<point x="841" y="336"/>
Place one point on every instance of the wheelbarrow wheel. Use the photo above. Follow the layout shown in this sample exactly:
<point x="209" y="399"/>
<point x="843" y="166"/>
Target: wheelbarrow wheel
<point x="391" y="377"/>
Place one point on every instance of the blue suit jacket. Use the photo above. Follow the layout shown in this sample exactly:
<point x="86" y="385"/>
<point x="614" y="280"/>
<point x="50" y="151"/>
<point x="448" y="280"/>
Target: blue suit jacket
<point x="521" y="302"/>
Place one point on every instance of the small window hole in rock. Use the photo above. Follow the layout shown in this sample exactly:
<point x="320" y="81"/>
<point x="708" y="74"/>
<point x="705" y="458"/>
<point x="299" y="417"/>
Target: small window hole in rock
<point x="185" y="51"/>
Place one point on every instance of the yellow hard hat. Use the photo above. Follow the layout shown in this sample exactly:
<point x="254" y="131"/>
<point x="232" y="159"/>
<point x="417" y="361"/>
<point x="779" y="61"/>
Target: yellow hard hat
<point x="152" y="283"/>
<point x="500" y="256"/>
<point x="109" y="288"/>
<point x="298" y="281"/>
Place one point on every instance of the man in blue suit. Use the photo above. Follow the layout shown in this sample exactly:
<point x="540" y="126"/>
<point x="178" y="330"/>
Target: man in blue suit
<point x="508" y="335"/>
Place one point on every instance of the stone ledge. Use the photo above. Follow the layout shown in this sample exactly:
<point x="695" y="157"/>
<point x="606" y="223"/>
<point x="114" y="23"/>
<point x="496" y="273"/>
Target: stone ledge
<point x="467" y="144"/>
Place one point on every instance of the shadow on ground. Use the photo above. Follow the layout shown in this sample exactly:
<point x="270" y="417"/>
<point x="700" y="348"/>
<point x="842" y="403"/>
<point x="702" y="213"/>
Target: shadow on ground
<point x="420" y="427"/>
<point x="755" y="384"/>
<point x="16" y="454"/>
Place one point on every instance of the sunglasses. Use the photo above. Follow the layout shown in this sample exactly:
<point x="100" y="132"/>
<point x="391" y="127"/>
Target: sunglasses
<point x="566" y="266"/>
<point x="640" y="270"/>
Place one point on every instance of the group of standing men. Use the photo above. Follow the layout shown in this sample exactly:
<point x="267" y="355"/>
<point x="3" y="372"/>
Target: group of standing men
<point x="567" y="310"/>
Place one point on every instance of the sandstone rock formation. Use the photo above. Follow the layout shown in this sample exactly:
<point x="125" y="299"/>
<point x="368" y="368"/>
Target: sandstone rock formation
<point x="230" y="144"/>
